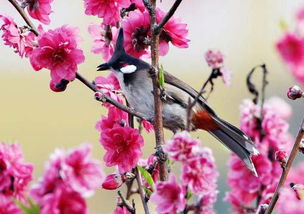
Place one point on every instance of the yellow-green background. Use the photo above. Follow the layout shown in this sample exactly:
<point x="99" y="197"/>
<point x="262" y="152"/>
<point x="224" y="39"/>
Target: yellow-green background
<point x="41" y="120"/>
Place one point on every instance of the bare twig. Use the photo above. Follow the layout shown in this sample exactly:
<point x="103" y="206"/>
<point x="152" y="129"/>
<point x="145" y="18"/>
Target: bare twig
<point x="159" y="27"/>
<point x="24" y="16"/>
<point x="285" y="171"/>
<point x="126" y="204"/>
<point x="141" y="191"/>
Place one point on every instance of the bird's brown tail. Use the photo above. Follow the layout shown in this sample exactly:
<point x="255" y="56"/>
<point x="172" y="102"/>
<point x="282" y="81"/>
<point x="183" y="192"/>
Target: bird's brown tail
<point x="229" y="135"/>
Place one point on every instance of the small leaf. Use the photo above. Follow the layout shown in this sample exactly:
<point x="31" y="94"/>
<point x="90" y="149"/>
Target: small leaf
<point x="147" y="190"/>
<point x="189" y="195"/>
<point x="147" y="176"/>
<point x="31" y="209"/>
<point x="161" y="77"/>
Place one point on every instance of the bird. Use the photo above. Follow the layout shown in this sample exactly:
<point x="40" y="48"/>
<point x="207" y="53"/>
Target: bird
<point x="136" y="85"/>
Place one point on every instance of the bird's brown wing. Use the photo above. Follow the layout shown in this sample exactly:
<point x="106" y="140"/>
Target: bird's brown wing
<point x="172" y="80"/>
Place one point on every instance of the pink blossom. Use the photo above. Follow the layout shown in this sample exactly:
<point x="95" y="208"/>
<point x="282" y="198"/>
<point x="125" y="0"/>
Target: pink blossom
<point x="281" y="156"/>
<point x="7" y="206"/>
<point x="215" y="59"/>
<point x="123" y="147"/>
<point x="15" y="173"/>
<point x="63" y="201"/>
<point x="139" y="4"/>
<point x="109" y="86"/>
<point x="291" y="49"/>
<point x="137" y="33"/>
<point x="147" y="126"/>
<point x="236" y="201"/>
<point x="115" y="118"/>
<point x="68" y="177"/>
<point x="121" y="210"/>
<point x="103" y="40"/>
<point x="40" y="10"/>
<point x="109" y="10"/>
<point x="280" y="107"/>
<point x="168" y="196"/>
<point x="112" y="181"/>
<point x="181" y="147"/>
<point x="207" y="201"/>
<point x="19" y="38"/>
<point x="295" y="92"/>
<point x="81" y="171"/>
<point x="199" y="173"/>
<point x="58" y="51"/>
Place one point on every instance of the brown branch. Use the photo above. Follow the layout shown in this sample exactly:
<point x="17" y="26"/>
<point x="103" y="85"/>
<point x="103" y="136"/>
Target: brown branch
<point x="24" y="16"/>
<point x="105" y="98"/>
<point x="285" y="171"/>
<point x="158" y="105"/>
<point x="125" y="204"/>
<point x="159" y="27"/>
<point x="141" y="191"/>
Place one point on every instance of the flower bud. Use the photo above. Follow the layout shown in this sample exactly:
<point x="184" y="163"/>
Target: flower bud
<point x="281" y="156"/>
<point x="295" y="92"/>
<point x="59" y="86"/>
<point x="262" y="209"/>
<point x="112" y="181"/>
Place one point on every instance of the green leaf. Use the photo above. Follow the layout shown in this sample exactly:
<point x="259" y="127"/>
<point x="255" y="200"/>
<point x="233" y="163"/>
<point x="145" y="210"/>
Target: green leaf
<point x="147" y="176"/>
<point x="31" y="208"/>
<point x="147" y="190"/>
<point x="161" y="77"/>
<point x="189" y="195"/>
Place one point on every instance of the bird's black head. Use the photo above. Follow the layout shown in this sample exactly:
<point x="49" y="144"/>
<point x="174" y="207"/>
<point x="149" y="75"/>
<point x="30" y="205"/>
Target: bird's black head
<point x="121" y="61"/>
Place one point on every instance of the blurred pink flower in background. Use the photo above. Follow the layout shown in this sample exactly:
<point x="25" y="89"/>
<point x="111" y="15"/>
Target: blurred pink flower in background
<point x="168" y="196"/>
<point x="19" y="38"/>
<point x="15" y="173"/>
<point x="103" y="40"/>
<point x="109" y="10"/>
<point x="123" y="147"/>
<point x="181" y="147"/>
<point x="68" y="178"/>
<point x="270" y="136"/>
<point x="7" y="206"/>
<point x="215" y="60"/>
<point x="58" y="51"/>
<point x="39" y="9"/>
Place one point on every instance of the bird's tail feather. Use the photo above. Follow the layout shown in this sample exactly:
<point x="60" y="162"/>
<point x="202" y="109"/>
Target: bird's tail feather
<point x="236" y="141"/>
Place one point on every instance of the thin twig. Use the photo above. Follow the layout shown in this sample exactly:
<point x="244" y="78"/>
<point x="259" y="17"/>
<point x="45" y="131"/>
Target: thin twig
<point x="141" y="191"/>
<point x="24" y="16"/>
<point x="126" y="204"/>
<point x="285" y="171"/>
<point x="159" y="27"/>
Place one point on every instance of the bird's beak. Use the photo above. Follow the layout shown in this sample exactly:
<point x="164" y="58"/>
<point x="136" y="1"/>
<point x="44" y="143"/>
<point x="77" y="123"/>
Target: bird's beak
<point x="103" y="67"/>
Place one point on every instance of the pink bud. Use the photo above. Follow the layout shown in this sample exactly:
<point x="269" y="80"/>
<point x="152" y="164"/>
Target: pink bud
<point x="295" y="92"/>
<point x="214" y="58"/>
<point x="281" y="156"/>
<point x="59" y="86"/>
<point x="112" y="181"/>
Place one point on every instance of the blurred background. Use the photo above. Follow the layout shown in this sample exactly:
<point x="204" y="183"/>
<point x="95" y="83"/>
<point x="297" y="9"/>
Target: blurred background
<point x="41" y="120"/>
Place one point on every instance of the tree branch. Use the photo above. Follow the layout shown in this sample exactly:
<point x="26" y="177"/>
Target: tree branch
<point x="159" y="27"/>
<point x="24" y="16"/>
<point x="285" y="171"/>
<point x="125" y="204"/>
<point x="141" y="192"/>
<point x="158" y="105"/>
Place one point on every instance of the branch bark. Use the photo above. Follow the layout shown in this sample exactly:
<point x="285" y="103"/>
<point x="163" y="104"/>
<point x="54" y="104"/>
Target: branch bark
<point x="285" y="172"/>
<point x="141" y="191"/>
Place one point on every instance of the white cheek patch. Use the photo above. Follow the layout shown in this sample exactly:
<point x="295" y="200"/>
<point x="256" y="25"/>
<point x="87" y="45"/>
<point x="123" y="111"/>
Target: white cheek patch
<point x="128" y="69"/>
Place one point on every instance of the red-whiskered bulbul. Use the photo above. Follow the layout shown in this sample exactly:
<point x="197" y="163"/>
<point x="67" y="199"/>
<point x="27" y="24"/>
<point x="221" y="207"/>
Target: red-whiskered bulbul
<point x="136" y="84"/>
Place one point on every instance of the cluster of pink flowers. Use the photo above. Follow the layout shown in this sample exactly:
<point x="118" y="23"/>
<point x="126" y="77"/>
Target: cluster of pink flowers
<point x="137" y="34"/>
<point x="68" y="178"/>
<point x="269" y="130"/>
<point x="15" y="176"/>
<point x="215" y="60"/>
<point x="199" y="175"/>
<point x="291" y="48"/>
<point x="19" y="38"/>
